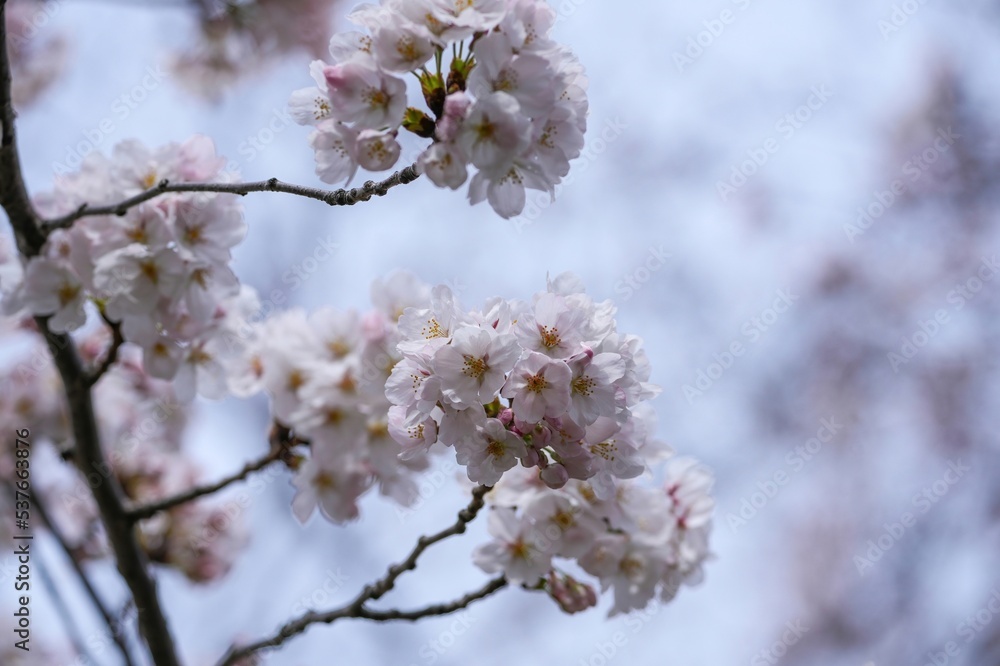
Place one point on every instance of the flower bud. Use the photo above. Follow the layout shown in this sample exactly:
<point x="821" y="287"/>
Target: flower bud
<point x="571" y="595"/>
<point x="555" y="476"/>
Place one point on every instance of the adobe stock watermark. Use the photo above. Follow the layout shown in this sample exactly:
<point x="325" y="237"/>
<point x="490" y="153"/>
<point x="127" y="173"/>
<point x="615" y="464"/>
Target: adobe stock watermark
<point x="752" y="329"/>
<point x="900" y="15"/>
<point x="796" y="460"/>
<point x="969" y="628"/>
<point x="597" y="144"/>
<point x="913" y="169"/>
<point x="703" y="40"/>
<point x="923" y="502"/>
<point x="151" y="425"/>
<point x="46" y="12"/>
<point x="295" y="277"/>
<point x="427" y="487"/>
<point x="256" y="143"/>
<point x="104" y="641"/>
<point x="565" y="9"/>
<point x="635" y="621"/>
<point x="121" y="108"/>
<point x="928" y="329"/>
<point x="794" y="631"/>
<point x="431" y="651"/>
<point x="323" y="595"/>
<point x="634" y="280"/>
<point x="786" y="127"/>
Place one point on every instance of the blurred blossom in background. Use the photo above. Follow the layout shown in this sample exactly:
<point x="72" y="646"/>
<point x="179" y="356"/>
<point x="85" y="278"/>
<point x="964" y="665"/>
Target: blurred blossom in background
<point x="795" y="205"/>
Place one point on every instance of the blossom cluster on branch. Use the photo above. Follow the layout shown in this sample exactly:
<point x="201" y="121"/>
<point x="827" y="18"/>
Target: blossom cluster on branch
<point x="160" y="271"/>
<point x="126" y="281"/>
<point x="545" y="401"/>
<point x="142" y="424"/>
<point x="512" y="102"/>
<point x="325" y="374"/>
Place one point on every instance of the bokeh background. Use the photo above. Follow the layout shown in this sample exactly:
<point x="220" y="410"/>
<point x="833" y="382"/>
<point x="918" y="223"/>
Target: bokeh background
<point x="734" y="147"/>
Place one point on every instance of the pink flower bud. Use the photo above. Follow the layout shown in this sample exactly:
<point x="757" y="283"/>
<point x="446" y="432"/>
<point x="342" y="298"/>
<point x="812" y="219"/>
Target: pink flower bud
<point x="571" y="595"/>
<point x="555" y="476"/>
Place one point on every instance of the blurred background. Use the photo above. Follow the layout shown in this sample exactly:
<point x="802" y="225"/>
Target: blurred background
<point x="794" y="204"/>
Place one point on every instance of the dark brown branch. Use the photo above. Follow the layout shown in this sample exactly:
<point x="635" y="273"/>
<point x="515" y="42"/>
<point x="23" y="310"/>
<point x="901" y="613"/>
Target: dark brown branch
<point x="357" y="609"/>
<point x="112" y="354"/>
<point x="13" y="194"/>
<point x="437" y="609"/>
<point x="114" y="627"/>
<point x="131" y="560"/>
<point x="342" y="197"/>
<point x="278" y="450"/>
<point x="133" y="565"/>
<point x="377" y="589"/>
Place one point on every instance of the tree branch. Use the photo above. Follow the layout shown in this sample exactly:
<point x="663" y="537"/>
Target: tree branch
<point x="113" y="626"/>
<point x="492" y="586"/>
<point x="465" y="516"/>
<point x="341" y="197"/>
<point x="356" y="608"/>
<point x="133" y="565"/>
<point x="363" y="613"/>
<point x="112" y="354"/>
<point x="13" y="194"/>
<point x="131" y="560"/>
<point x="279" y="448"/>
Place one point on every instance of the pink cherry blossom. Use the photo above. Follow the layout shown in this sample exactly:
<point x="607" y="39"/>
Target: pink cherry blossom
<point x="538" y="387"/>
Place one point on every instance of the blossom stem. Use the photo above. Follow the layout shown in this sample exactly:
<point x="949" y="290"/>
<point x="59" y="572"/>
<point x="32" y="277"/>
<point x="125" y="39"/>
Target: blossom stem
<point x="112" y="354"/>
<point x="279" y="449"/>
<point x="341" y="197"/>
<point x="373" y="591"/>
<point x="465" y="516"/>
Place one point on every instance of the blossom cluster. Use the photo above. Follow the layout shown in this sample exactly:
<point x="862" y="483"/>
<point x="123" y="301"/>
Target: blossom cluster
<point x="511" y="103"/>
<point x="36" y="60"/>
<point x="237" y="39"/>
<point x="160" y="272"/>
<point x="547" y="402"/>
<point x="550" y="384"/>
<point x="325" y="374"/>
<point x="640" y="543"/>
<point x="141" y="423"/>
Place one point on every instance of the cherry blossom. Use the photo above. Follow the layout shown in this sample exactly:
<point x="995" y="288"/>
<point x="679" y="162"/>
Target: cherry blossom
<point x="475" y="365"/>
<point x="53" y="289"/>
<point x="513" y="551"/>
<point x="538" y="387"/>
<point x="490" y="452"/>
<point x="511" y="102"/>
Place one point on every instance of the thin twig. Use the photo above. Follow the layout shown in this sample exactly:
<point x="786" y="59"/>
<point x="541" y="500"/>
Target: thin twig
<point x="436" y="609"/>
<point x="114" y="628"/>
<point x="341" y="197"/>
<point x="363" y="613"/>
<point x="373" y="591"/>
<point x="377" y="589"/>
<point x="148" y="510"/>
<point x="111" y="355"/>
